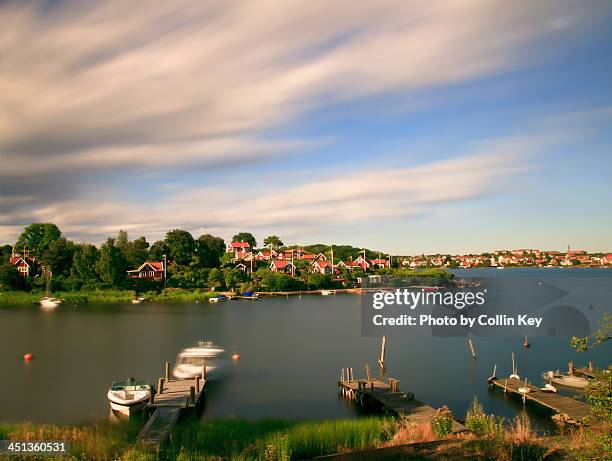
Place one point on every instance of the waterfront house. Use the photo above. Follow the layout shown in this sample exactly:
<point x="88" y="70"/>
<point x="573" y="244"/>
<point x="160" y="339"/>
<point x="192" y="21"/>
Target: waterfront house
<point x="148" y="270"/>
<point x="382" y="263"/>
<point x="238" y="247"/>
<point x="25" y="265"/>
<point x="282" y="265"/>
<point x="322" y="267"/>
<point x="246" y="267"/>
<point x="607" y="259"/>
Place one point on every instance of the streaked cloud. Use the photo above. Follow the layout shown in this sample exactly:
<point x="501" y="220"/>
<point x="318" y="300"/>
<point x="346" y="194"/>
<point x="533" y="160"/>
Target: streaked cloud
<point x="93" y="90"/>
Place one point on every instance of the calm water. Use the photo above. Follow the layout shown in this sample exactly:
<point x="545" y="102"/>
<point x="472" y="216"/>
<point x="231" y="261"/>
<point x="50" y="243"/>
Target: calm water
<point x="292" y="351"/>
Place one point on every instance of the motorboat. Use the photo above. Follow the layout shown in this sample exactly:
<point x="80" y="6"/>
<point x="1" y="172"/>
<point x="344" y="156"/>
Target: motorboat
<point x="49" y="303"/>
<point x="139" y="300"/>
<point x="125" y="396"/>
<point x="576" y="382"/>
<point x="191" y="361"/>
<point x="326" y="292"/>
<point x="216" y="299"/>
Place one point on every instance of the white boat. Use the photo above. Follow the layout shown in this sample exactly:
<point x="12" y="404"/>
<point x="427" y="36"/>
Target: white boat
<point x="191" y="360"/>
<point x="216" y="299"/>
<point x="138" y="300"/>
<point x="49" y="303"/>
<point x="576" y="382"/>
<point x="326" y="292"/>
<point x="126" y="396"/>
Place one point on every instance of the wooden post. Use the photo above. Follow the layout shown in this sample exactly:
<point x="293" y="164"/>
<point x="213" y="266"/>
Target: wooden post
<point x="192" y="395"/>
<point x="590" y="366"/>
<point x="152" y="396"/>
<point x="197" y="383"/>
<point x="472" y="348"/>
<point x="167" y="375"/>
<point x="570" y="368"/>
<point x="368" y="372"/>
<point x="160" y="386"/>
<point x="351" y="374"/>
<point x="342" y="375"/>
<point x="383" y="344"/>
<point x="203" y="372"/>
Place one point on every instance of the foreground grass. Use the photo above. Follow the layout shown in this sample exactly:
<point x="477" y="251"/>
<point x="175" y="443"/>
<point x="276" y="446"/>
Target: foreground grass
<point x="107" y="296"/>
<point x="215" y="440"/>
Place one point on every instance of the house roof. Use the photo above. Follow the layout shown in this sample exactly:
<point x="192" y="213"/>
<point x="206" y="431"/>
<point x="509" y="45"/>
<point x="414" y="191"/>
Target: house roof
<point x="156" y="266"/>
<point x="240" y="245"/>
<point x="280" y="263"/>
<point x="14" y="261"/>
<point x="323" y="263"/>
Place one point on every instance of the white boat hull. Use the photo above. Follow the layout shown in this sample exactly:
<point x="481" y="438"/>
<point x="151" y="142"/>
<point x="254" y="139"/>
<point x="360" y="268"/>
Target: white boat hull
<point x="49" y="303"/>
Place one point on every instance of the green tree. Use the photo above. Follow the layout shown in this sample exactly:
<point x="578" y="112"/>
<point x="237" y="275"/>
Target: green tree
<point x="245" y="237"/>
<point x="84" y="263"/>
<point x="5" y="253"/>
<point x="209" y="250"/>
<point x="181" y="246"/>
<point x="233" y="278"/>
<point x="215" y="278"/>
<point x="274" y="241"/>
<point x="37" y="237"/>
<point x="137" y="252"/>
<point x="10" y="279"/>
<point x="111" y="265"/>
<point x="58" y="257"/>
<point x="158" y="250"/>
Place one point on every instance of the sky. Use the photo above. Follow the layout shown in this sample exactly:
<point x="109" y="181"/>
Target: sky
<point x="404" y="126"/>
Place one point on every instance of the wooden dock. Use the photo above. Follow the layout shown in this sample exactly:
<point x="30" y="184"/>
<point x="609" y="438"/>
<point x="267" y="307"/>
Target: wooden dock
<point x="566" y="409"/>
<point x="375" y="393"/>
<point x="173" y="398"/>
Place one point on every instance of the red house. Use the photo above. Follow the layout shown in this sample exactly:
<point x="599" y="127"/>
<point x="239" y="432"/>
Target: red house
<point x="148" y="270"/>
<point x="322" y="267"/>
<point x="24" y="264"/>
<point x="281" y="265"/>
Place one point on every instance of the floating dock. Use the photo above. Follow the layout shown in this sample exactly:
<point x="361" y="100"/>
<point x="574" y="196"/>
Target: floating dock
<point x="567" y="410"/>
<point x="374" y="393"/>
<point x="173" y="398"/>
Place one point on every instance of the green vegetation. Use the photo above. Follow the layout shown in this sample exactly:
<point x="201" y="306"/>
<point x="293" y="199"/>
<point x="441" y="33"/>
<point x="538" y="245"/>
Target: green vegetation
<point x="213" y="440"/>
<point x="442" y="424"/>
<point x="481" y="424"/>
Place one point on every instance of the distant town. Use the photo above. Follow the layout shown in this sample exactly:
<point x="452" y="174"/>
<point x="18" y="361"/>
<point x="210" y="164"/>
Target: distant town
<point x="43" y="259"/>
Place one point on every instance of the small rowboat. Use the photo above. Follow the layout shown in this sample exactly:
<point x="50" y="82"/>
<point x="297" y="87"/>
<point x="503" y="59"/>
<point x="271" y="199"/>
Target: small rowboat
<point x="124" y="396"/>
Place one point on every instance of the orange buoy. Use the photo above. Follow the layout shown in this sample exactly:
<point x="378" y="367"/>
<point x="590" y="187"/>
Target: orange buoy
<point x="236" y="357"/>
<point x="27" y="357"/>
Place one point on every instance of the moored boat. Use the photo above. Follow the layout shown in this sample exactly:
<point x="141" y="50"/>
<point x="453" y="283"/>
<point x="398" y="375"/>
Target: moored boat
<point x="216" y="299"/>
<point x="126" y="396"/>
<point x="576" y="382"/>
<point x="190" y="361"/>
<point x="49" y="303"/>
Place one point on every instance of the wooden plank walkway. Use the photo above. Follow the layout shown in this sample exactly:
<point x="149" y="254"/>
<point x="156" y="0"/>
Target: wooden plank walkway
<point x="373" y="392"/>
<point x="177" y="397"/>
<point x="570" y="410"/>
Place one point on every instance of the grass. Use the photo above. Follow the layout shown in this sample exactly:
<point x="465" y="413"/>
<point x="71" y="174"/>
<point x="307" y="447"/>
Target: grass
<point x="229" y="439"/>
<point x="106" y="296"/>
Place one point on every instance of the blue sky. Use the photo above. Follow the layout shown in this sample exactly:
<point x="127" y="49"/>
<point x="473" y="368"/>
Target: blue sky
<point x="460" y="127"/>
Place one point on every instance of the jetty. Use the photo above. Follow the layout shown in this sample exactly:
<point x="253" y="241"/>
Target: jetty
<point x="386" y="396"/>
<point x="567" y="410"/>
<point x="172" y="399"/>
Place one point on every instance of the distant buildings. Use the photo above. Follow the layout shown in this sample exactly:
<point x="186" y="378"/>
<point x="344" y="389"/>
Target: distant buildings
<point x="149" y="270"/>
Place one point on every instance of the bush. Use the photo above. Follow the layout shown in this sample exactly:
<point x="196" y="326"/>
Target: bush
<point x="442" y="423"/>
<point x="481" y="424"/>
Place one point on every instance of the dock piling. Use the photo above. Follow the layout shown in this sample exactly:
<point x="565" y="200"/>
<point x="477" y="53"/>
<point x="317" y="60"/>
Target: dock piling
<point x="192" y="395"/>
<point x="167" y="373"/>
<point x="160" y="386"/>
<point x="472" y="348"/>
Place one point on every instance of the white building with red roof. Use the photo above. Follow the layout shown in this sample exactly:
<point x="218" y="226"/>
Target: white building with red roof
<point x="323" y="267"/>
<point x="24" y="264"/>
<point x="148" y="270"/>
<point x="235" y="247"/>
<point x="282" y="265"/>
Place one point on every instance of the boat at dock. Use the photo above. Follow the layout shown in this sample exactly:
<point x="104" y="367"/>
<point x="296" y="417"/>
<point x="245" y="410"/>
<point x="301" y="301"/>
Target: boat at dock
<point x="216" y="299"/>
<point x="576" y="382"/>
<point x="191" y="360"/>
<point x="127" y="396"/>
<point x="139" y="300"/>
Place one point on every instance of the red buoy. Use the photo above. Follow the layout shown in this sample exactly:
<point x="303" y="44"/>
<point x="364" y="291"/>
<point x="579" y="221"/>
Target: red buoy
<point x="236" y="357"/>
<point x="28" y="357"/>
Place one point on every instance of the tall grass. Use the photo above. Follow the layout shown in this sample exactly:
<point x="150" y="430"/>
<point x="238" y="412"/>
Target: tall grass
<point x="106" y="296"/>
<point x="98" y="442"/>
<point x="274" y="440"/>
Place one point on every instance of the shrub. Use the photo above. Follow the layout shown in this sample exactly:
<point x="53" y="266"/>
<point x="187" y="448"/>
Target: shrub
<point x="481" y="424"/>
<point x="442" y="423"/>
